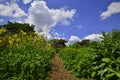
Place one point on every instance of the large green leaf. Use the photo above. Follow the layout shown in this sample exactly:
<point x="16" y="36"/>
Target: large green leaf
<point x="110" y="75"/>
<point x="117" y="74"/>
<point x="106" y="60"/>
<point x="118" y="59"/>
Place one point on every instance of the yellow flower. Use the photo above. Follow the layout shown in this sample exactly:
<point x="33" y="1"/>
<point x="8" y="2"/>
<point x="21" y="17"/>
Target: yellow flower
<point x="35" y="34"/>
<point x="3" y="30"/>
<point x="17" y="44"/>
<point x="10" y="42"/>
<point x="9" y="38"/>
<point x="17" y="40"/>
<point x="1" y="42"/>
<point x="22" y="32"/>
<point x="35" y="37"/>
<point x="49" y="45"/>
<point x="15" y="35"/>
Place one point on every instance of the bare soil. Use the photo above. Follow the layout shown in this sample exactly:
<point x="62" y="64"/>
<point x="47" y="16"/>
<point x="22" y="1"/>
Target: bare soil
<point x="59" y="72"/>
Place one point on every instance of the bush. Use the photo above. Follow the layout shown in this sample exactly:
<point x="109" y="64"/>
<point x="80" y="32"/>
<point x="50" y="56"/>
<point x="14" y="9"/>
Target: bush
<point x="78" y="61"/>
<point x="25" y="57"/>
<point x="107" y="58"/>
<point x="98" y="60"/>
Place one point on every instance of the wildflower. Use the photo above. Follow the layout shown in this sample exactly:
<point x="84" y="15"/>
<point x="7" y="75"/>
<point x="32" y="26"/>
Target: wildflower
<point x="15" y="35"/>
<point x="35" y="34"/>
<point x="1" y="42"/>
<point x="22" y="32"/>
<point x="10" y="42"/>
<point x="9" y="38"/>
<point x="17" y="40"/>
<point x="3" y="30"/>
<point x="17" y="44"/>
<point x="49" y="45"/>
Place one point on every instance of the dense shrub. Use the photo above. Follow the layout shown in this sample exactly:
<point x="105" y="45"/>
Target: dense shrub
<point x="24" y="57"/>
<point x="98" y="60"/>
<point x="107" y="57"/>
<point x="14" y="27"/>
<point x="78" y="61"/>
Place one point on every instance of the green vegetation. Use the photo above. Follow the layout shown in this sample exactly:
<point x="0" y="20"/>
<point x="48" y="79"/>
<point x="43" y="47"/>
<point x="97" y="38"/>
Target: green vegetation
<point x="57" y="44"/>
<point x="25" y="55"/>
<point x="14" y="27"/>
<point x="95" y="60"/>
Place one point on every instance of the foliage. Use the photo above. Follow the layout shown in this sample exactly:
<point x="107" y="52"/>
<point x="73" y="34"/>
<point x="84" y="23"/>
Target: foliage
<point x="98" y="60"/>
<point x="107" y="57"/>
<point x="14" y="27"/>
<point x="77" y="45"/>
<point x="57" y="44"/>
<point x="24" y="56"/>
<point x="85" y="42"/>
<point x="77" y="61"/>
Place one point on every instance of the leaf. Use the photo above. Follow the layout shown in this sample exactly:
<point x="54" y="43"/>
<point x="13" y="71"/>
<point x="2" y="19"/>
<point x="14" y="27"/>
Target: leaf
<point x="101" y="65"/>
<point x="93" y="74"/>
<point x="118" y="59"/>
<point x="106" y="60"/>
<point x="110" y="75"/>
<point x="117" y="74"/>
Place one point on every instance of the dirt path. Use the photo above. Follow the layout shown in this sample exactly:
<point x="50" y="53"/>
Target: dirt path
<point x="59" y="72"/>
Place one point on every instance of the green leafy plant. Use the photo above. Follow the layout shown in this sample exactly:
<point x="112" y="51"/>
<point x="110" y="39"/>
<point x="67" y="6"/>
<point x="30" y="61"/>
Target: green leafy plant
<point x="25" y="56"/>
<point x="97" y="60"/>
<point x="107" y="65"/>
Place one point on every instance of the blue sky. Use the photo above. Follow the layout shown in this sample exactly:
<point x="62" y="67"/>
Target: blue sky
<point x="73" y="20"/>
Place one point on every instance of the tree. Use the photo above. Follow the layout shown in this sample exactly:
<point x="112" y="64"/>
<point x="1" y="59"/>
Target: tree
<point x="84" y="42"/>
<point x="58" y="43"/>
<point x="15" y="27"/>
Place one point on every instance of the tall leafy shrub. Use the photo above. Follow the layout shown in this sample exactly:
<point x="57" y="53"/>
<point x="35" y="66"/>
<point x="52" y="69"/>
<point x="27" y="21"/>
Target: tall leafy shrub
<point x="25" y="57"/>
<point x="106" y="64"/>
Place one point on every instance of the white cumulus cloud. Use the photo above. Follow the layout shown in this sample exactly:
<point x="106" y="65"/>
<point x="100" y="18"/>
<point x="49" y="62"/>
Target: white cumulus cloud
<point x="74" y="39"/>
<point x="45" y="18"/>
<point x="26" y="1"/>
<point x="113" y="8"/>
<point x="65" y="22"/>
<point x="11" y="10"/>
<point x="94" y="37"/>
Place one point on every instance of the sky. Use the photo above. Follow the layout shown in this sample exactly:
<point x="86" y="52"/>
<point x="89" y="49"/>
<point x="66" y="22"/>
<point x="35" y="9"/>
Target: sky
<point x="73" y="20"/>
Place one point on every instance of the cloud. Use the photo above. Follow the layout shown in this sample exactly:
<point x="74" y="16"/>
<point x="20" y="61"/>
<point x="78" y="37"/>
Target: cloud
<point x="57" y="35"/>
<point x="94" y="37"/>
<point x="65" y="22"/>
<point x="45" y="18"/>
<point x="27" y="1"/>
<point x="113" y="8"/>
<point x="74" y="39"/>
<point x="11" y="10"/>
<point x="1" y="20"/>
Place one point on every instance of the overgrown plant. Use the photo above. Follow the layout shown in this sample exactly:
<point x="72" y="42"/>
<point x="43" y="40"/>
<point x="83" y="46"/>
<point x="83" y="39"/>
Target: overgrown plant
<point x="98" y="60"/>
<point x="106" y="64"/>
<point x="24" y="56"/>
